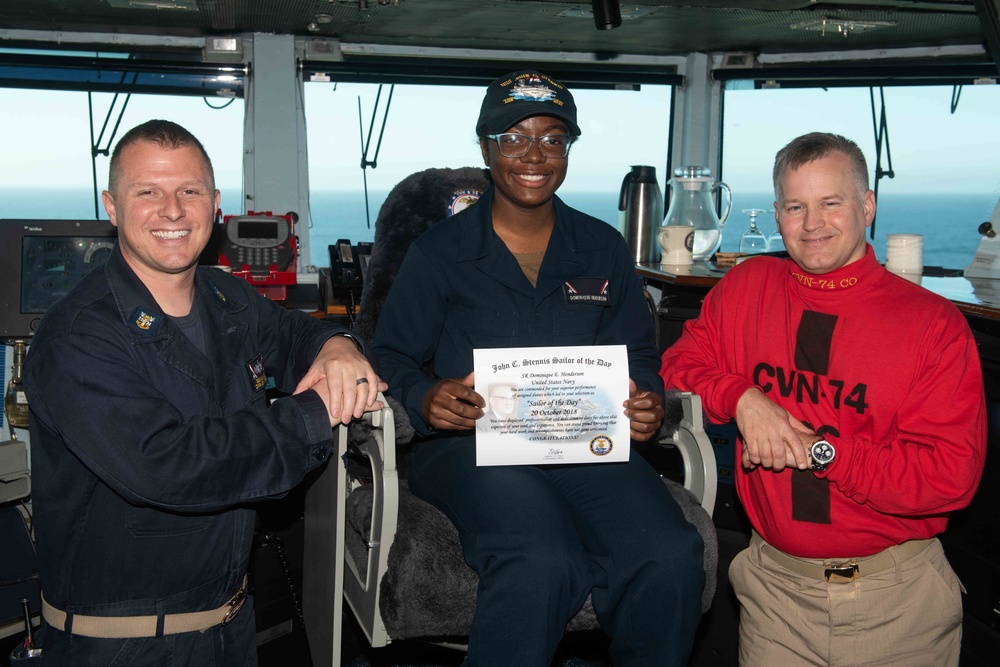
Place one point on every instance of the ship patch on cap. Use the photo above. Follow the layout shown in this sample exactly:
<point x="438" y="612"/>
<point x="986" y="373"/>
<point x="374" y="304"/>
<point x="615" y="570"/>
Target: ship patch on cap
<point x="532" y="89"/>
<point x="522" y="94"/>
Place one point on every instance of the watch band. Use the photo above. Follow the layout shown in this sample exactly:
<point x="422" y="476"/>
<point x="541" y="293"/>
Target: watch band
<point x="354" y="339"/>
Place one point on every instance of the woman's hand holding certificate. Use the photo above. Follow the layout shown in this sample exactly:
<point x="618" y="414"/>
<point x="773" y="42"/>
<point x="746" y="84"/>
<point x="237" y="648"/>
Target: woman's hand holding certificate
<point x="645" y="412"/>
<point x="452" y="404"/>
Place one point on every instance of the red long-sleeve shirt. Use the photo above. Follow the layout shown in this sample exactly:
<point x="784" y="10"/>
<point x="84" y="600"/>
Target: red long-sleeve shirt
<point x="887" y="371"/>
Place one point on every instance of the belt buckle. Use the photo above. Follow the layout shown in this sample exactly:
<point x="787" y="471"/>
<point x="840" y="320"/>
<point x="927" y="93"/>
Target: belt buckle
<point x="842" y="572"/>
<point x="235" y="603"/>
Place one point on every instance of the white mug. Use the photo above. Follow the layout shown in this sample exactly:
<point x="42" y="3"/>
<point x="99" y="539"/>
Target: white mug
<point x="904" y="255"/>
<point x="677" y="243"/>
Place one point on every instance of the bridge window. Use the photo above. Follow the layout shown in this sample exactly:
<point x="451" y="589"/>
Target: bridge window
<point x="46" y="137"/>
<point x="620" y="128"/>
<point x="946" y="173"/>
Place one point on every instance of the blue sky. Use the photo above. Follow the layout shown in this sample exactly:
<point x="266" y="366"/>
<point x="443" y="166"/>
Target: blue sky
<point x="932" y="149"/>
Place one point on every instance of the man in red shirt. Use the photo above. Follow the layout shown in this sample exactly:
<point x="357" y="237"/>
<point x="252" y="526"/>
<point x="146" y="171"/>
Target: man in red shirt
<point x="859" y="400"/>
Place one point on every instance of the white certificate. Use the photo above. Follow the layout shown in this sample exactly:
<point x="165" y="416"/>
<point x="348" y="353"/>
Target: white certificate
<point x="548" y="405"/>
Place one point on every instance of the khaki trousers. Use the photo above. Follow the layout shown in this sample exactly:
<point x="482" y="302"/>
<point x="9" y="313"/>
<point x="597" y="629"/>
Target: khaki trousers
<point x="908" y="614"/>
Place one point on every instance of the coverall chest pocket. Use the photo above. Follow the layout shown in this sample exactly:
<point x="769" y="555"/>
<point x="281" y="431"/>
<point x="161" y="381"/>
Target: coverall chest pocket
<point x="149" y="522"/>
<point x="484" y="328"/>
<point x="578" y="325"/>
<point x="257" y="402"/>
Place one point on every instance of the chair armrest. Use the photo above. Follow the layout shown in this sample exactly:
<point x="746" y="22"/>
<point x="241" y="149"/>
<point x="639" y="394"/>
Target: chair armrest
<point x="330" y="574"/>
<point x="700" y="472"/>
<point x="383" y="433"/>
<point x="361" y="590"/>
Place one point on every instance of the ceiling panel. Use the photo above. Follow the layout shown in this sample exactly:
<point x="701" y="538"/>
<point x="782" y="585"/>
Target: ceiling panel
<point x="659" y="27"/>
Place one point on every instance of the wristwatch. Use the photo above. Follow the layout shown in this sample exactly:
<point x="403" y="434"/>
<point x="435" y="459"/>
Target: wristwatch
<point x="821" y="454"/>
<point x="354" y="339"/>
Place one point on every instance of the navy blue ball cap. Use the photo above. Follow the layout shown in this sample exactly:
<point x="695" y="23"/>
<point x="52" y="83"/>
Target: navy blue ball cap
<point x="522" y="94"/>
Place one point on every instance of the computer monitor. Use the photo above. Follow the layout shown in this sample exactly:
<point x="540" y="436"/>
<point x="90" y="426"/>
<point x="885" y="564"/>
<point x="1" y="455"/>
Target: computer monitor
<point x="42" y="260"/>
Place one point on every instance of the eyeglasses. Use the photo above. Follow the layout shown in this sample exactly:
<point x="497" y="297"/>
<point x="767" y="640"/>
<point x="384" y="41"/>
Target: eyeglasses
<point x="514" y="144"/>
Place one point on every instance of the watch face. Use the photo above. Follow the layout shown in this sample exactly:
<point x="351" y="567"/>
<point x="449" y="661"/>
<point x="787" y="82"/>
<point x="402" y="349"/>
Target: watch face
<point x="822" y="453"/>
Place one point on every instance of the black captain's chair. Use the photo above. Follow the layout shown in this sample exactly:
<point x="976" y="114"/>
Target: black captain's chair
<point x="395" y="558"/>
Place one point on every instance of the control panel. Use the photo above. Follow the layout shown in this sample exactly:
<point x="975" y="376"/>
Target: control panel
<point x="262" y="249"/>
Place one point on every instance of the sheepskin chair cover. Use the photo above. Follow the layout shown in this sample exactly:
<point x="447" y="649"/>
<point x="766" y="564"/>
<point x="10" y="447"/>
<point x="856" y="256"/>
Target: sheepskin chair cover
<point x="416" y="203"/>
<point x="429" y="590"/>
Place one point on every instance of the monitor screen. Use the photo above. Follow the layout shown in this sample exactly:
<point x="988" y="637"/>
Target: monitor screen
<point x="258" y="230"/>
<point x="52" y="265"/>
<point x="40" y="262"/>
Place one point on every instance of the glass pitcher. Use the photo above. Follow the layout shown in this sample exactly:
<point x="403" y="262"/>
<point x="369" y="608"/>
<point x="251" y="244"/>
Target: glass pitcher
<point x="691" y="204"/>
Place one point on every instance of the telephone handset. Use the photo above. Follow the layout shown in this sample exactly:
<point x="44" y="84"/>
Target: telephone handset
<point x="364" y="249"/>
<point x="343" y="263"/>
<point x="348" y="268"/>
<point x="349" y="263"/>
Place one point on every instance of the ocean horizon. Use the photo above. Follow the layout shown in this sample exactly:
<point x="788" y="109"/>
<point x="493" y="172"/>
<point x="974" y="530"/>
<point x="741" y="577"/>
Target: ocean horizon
<point x="948" y="222"/>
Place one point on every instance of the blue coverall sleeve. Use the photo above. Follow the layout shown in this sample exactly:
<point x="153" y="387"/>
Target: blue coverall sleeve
<point x="292" y="340"/>
<point x="408" y="331"/>
<point x="128" y="417"/>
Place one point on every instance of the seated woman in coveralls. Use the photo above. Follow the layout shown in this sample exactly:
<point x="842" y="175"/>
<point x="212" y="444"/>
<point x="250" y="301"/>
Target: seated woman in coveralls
<point x="540" y="537"/>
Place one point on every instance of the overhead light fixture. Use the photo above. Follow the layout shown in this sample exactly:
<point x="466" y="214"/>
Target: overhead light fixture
<point x="842" y="27"/>
<point x="363" y="4"/>
<point x="187" y="5"/>
<point x="607" y="14"/>
<point x="319" y="20"/>
<point x="223" y="49"/>
<point x="628" y="13"/>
